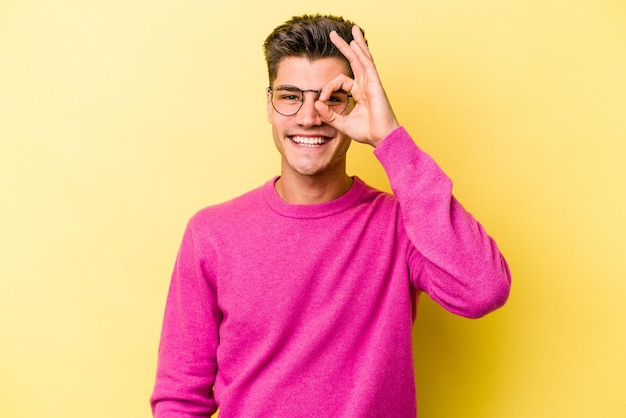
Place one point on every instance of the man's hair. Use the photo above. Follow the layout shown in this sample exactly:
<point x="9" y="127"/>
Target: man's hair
<point x="306" y="36"/>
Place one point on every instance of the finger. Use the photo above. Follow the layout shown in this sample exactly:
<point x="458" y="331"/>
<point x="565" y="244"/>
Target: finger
<point x="340" y="43"/>
<point x="347" y="51"/>
<point x="359" y="40"/>
<point x="361" y="50"/>
<point x="357" y="53"/>
<point x="329" y="116"/>
<point x="339" y="82"/>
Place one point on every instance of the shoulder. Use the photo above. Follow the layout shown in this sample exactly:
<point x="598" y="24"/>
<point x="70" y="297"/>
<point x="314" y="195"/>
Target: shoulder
<point x="371" y="194"/>
<point x="224" y="214"/>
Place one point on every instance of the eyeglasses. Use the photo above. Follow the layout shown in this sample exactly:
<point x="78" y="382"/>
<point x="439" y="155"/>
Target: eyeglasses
<point x="288" y="100"/>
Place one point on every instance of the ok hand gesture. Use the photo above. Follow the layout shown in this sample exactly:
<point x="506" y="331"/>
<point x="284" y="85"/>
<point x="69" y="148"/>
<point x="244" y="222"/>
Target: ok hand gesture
<point x="372" y="117"/>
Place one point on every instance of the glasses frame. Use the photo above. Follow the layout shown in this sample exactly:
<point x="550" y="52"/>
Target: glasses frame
<point x="271" y="91"/>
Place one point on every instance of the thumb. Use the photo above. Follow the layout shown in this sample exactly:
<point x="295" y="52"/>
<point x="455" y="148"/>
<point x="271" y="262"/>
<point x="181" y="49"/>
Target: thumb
<point x="329" y="116"/>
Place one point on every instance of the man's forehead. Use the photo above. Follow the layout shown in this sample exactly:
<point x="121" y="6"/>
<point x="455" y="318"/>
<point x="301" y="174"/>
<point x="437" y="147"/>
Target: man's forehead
<point x="303" y="68"/>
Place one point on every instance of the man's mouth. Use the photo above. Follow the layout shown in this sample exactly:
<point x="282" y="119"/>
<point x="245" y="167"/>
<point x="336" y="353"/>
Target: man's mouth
<point x="309" y="141"/>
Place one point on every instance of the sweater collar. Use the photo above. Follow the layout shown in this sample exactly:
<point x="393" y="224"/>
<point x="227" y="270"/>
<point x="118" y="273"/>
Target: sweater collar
<point x="319" y="210"/>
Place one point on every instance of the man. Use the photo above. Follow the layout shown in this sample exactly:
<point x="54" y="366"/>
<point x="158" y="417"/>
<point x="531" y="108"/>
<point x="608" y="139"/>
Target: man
<point x="297" y="299"/>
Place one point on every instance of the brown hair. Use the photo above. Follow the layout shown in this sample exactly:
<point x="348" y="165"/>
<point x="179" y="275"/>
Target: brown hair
<point x="306" y="36"/>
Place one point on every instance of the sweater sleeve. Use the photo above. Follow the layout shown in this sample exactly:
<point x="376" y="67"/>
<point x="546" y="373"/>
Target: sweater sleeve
<point x="187" y="363"/>
<point x="454" y="260"/>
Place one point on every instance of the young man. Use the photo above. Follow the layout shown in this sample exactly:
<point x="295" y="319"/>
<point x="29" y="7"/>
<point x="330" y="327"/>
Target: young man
<point x="297" y="299"/>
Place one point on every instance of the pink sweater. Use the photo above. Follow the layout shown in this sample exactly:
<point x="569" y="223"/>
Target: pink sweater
<point x="279" y="310"/>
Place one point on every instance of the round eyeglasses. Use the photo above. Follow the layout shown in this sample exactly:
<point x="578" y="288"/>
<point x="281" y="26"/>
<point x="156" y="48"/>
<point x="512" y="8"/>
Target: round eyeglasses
<point x="288" y="100"/>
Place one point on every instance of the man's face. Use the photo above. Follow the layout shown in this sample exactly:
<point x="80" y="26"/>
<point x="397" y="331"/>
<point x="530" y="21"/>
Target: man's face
<point x="308" y="147"/>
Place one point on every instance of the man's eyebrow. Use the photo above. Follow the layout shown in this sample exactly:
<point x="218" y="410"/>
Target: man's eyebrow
<point x="287" y="87"/>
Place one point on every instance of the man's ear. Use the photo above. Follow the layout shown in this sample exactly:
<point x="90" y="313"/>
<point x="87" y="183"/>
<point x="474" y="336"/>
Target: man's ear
<point x="268" y="106"/>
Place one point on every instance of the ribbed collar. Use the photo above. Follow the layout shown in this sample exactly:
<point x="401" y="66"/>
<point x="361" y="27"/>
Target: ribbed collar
<point x="320" y="210"/>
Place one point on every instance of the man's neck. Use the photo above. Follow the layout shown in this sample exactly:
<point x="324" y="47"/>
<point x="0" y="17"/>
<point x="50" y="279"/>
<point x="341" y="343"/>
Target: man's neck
<point x="310" y="190"/>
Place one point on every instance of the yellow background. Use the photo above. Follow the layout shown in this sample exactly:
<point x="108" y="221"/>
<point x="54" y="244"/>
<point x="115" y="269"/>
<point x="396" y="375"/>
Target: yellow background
<point x="119" y="119"/>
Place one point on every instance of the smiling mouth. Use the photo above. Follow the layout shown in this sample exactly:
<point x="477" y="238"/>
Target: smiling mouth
<point x="306" y="141"/>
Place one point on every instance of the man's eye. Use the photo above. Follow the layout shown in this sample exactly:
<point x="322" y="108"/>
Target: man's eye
<point x="336" y="99"/>
<point x="289" y="97"/>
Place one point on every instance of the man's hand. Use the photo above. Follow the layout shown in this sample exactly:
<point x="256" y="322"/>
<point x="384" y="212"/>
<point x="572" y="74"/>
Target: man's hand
<point x="372" y="118"/>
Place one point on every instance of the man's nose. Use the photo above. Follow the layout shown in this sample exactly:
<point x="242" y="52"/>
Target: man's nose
<point x="308" y="115"/>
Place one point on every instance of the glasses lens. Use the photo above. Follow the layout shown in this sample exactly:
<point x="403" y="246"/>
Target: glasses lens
<point x="338" y="101"/>
<point x="286" y="100"/>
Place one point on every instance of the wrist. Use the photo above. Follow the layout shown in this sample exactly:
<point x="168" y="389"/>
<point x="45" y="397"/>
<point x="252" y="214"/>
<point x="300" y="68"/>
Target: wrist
<point x="388" y="131"/>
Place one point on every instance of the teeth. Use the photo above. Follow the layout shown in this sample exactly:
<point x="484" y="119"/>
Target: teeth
<point x="308" y="141"/>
